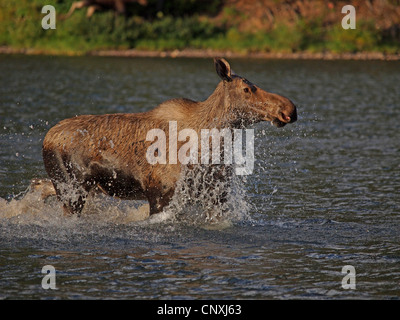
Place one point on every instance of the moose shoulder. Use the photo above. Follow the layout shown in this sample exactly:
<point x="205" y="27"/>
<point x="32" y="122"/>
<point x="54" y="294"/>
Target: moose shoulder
<point x="107" y="153"/>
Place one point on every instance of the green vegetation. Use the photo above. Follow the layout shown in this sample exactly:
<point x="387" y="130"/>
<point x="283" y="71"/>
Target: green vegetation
<point x="181" y="24"/>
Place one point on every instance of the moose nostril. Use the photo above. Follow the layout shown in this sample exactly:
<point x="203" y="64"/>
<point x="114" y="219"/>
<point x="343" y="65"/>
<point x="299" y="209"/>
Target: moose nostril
<point x="290" y="116"/>
<point x="285" y="117"/>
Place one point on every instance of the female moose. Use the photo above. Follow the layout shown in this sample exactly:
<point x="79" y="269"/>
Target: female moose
<point x="107" y="153"/>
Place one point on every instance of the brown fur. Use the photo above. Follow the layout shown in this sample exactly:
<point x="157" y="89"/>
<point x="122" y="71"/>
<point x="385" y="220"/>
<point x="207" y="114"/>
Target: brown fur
<point x="107" y="153"/>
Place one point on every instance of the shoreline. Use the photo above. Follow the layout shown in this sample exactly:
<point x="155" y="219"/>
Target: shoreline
<point x="208" y="53"/>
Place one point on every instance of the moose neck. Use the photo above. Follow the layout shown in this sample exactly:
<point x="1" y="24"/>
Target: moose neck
<point x="215" y="112"/>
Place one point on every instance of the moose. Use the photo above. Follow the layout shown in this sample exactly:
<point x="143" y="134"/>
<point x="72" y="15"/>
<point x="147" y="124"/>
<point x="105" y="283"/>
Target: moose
<point x="91" y="154"/>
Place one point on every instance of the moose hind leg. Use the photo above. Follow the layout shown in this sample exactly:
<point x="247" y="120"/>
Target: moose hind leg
<point x="68" y="181"/>
<point x="72" y="196"/>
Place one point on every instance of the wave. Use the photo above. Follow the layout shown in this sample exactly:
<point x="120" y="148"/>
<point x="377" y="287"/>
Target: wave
<point x="38" y="205"/>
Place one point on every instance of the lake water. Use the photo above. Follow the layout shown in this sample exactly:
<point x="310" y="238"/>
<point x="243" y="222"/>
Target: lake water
<point x="324" y="194"/>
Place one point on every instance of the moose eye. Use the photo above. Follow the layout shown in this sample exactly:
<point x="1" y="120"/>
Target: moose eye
<point x="246" y="90"/>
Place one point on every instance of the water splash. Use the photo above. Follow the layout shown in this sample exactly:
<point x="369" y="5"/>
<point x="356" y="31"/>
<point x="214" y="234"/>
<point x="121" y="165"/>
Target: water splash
<point x="197" y="199"/>
<point x="31" y="208"/>
<point x="193" y="203"/>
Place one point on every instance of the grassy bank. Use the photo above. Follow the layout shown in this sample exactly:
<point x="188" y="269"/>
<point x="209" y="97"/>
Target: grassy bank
<point x="211" y="24"/>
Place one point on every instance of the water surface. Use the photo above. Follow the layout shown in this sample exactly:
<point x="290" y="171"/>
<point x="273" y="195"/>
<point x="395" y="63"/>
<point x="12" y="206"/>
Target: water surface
<point x="324" y="192"/>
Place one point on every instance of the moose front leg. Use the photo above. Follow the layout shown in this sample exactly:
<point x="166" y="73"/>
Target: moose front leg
<point x="219" y="184"/>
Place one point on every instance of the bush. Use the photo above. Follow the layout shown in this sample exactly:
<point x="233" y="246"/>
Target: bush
<point x="181" y="24"/>
<point x="364" y="38"/>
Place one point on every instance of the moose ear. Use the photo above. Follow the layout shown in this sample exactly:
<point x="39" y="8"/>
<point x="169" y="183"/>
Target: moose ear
<point x="223" y="69"/>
